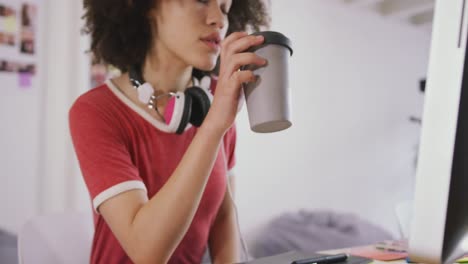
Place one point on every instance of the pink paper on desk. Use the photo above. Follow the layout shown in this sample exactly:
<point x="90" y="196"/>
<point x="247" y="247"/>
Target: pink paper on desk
<point x="378" y="254"/>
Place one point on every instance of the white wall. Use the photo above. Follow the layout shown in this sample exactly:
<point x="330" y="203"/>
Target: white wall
<point x="21" y="123"/>
<point x="67" y="77"/>
<point x="354" y="79"/>
<point x="36" y="156"/>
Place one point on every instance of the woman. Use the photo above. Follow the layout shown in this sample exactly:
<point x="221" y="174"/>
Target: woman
<point x="161" y="196"/>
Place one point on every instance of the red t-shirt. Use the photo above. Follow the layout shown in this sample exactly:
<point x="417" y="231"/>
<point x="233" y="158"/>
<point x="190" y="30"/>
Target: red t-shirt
<point x="121" y="147"/>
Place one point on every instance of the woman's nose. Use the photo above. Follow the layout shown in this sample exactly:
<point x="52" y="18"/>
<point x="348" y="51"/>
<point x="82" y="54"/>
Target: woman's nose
<point x="216" y="17"/>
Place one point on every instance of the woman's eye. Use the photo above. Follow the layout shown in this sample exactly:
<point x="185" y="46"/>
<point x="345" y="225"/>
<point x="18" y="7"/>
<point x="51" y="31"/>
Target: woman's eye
<point x="224" y="9"/>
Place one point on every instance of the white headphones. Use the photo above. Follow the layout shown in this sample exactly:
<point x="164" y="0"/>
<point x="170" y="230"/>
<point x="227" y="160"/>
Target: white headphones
<point x="188" y="107"/>
<point x="183" y="108"/>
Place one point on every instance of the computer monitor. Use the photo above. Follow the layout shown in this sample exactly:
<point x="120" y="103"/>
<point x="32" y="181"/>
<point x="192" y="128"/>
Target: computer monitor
<point x="439" y="229"/>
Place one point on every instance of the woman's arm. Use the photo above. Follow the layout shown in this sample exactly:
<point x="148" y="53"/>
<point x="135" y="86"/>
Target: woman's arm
<point x="224" y="236"/>
<point x="150" y="230"/>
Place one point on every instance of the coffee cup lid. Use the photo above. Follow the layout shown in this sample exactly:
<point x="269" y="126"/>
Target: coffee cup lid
<point x="273" y="37"/>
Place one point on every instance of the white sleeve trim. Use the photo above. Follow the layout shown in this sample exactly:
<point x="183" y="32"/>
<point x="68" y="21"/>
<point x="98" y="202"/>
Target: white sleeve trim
<point x="116" y="189"/>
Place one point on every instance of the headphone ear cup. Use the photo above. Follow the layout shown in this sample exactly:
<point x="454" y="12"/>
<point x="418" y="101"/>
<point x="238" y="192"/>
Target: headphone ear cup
<point x="201" y="102"/>
<point x="186" y="114"/>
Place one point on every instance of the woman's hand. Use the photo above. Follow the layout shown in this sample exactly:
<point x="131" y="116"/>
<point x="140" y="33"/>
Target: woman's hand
<point x="233" y="56"/>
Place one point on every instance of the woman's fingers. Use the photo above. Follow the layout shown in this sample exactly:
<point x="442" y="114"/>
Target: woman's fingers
<point x="235" y="43"/>
<point x="235" y="82"/>
<point x="241" y="59"/>
<point x="233" y="57"/>
<point x="243" y="77"/>
<point x="242" y="44"/>
<point x="231" y="38"/>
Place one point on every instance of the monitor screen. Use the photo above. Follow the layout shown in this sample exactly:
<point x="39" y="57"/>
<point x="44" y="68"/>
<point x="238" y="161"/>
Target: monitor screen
<point x="439" y="226"/>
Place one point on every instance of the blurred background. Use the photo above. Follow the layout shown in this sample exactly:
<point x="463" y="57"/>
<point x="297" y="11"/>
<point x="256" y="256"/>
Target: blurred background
<point x="355" y="79"/>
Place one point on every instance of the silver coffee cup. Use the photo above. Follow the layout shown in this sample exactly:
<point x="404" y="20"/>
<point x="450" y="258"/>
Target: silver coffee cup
<point x="268" y="99"/>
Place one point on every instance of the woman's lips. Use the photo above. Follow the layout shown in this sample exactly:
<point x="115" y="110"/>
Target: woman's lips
<point x="212" y="44"/>
<point x="213" y="41"/>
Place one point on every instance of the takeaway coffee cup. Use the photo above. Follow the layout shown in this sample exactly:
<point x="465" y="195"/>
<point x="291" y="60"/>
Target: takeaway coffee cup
<point x="268" y="99"/>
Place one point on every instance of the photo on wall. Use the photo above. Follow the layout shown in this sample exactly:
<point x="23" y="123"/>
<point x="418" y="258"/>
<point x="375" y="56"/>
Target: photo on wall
<point x="19" y="33"/>
<point x="8" y="25"/>
<point x="28" y="27"/>
<point x="17" y="67"/>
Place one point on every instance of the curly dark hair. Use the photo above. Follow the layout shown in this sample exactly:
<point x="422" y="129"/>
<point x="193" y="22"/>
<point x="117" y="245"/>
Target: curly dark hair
<point x="121" y="29"/>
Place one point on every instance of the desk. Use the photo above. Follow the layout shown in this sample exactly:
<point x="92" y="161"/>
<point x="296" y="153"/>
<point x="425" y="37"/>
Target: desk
<point x="347" y="251"/>
<point x="287" y="258"/>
